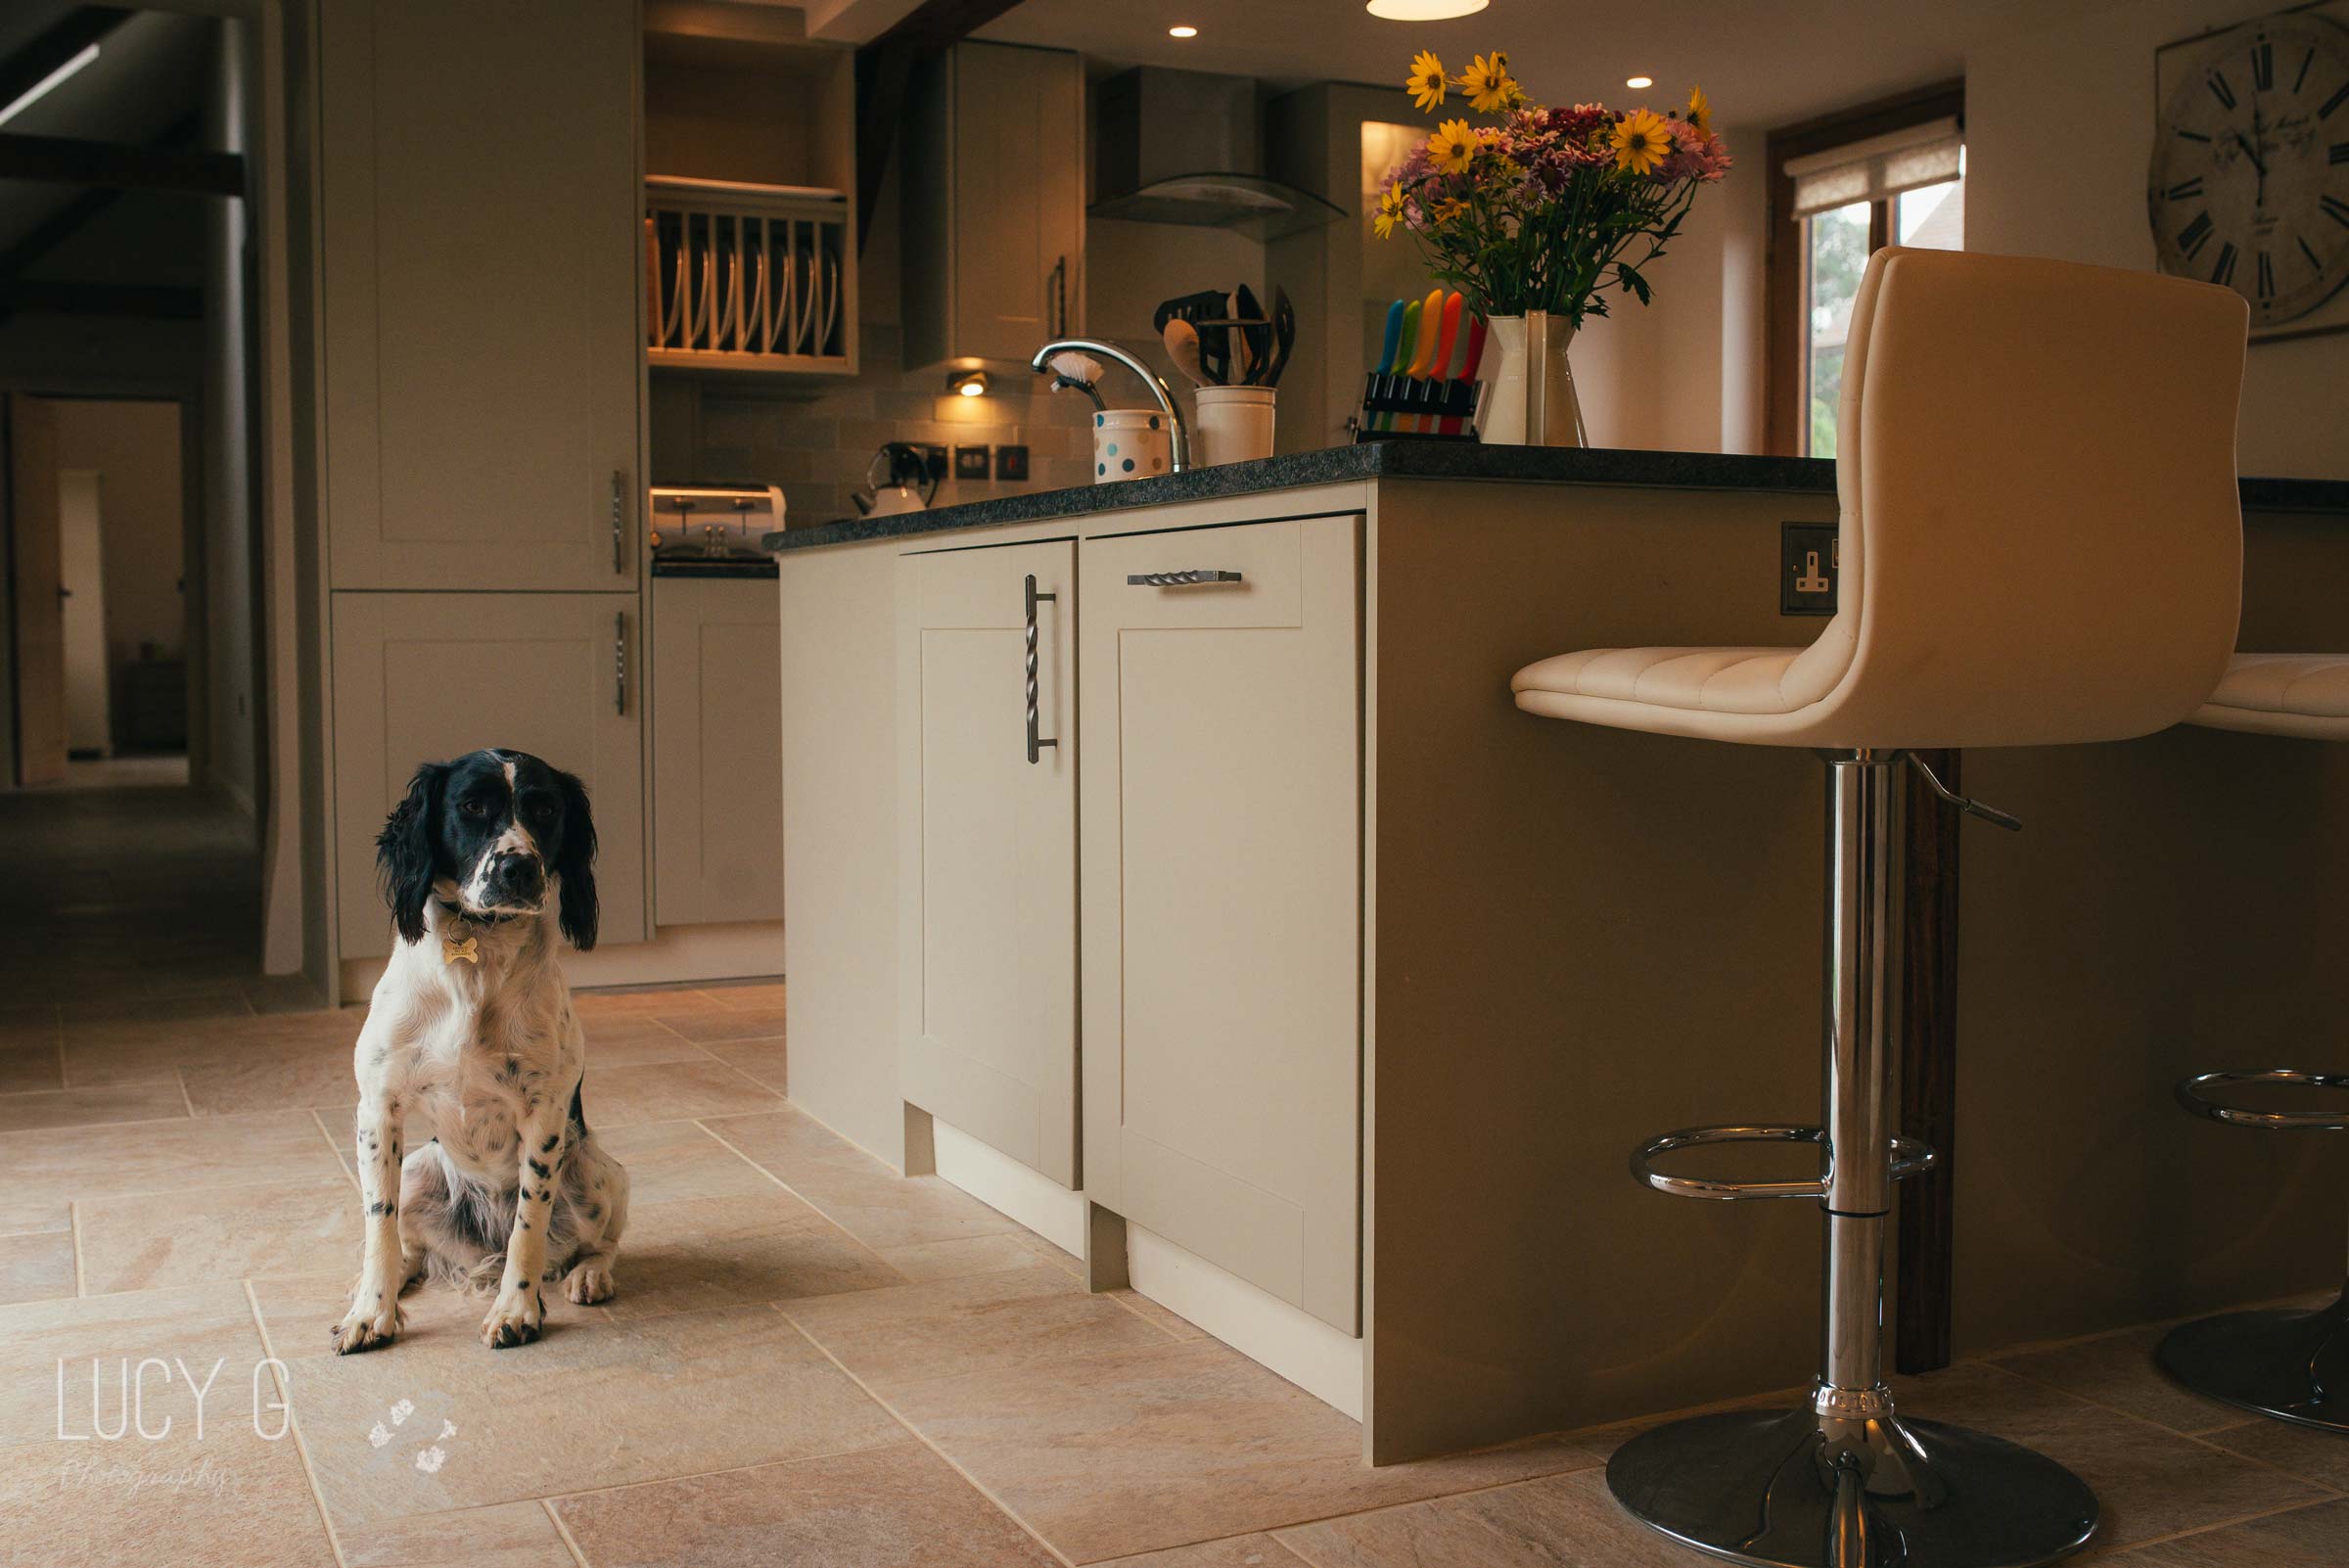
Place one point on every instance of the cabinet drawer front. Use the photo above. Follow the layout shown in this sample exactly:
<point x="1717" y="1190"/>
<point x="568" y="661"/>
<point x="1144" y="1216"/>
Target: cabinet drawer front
<point x="987" y="857"/>
<point x="1268" y="556"/>
<point x="1223" y="901"/>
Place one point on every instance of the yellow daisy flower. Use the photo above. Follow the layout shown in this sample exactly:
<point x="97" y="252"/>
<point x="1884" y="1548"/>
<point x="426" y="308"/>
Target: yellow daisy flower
<point x="1454" y="146"/>
<point x="1489" y="85"/>
<point x="1449" y="207"/>
<point x="1425" y="84"/>
<point x="1389" y="211"/>
<point x="1641" y="141"/>
<point x="1700" y="110"/>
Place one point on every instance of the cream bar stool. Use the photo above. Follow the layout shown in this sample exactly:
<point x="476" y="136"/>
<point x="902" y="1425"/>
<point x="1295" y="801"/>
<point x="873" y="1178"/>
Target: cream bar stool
<point x="2041" y="543"/>
<point x="2292" y="1365"/>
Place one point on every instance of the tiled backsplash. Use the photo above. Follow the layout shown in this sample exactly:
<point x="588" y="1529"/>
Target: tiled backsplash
<point x="819" y="448"/>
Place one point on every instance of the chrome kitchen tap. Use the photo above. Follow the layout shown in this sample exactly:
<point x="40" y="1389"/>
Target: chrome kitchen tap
<point x="1180" y="443"/>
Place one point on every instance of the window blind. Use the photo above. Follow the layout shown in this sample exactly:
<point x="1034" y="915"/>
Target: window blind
<point x="1877" y="167"/>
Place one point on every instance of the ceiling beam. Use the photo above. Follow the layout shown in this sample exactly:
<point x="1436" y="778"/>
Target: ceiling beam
<point x="154" y="302"/>
<point x="58" y="227"/>
<point x="72" y="161"/>
<point x="883" y="68"/>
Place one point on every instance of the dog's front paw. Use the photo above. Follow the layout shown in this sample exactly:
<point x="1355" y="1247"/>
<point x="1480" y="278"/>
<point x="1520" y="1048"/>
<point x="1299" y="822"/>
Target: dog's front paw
<point x="516" y="1319"/>
<point x="366" y="1327"/>
<point x="588" y="1284"/>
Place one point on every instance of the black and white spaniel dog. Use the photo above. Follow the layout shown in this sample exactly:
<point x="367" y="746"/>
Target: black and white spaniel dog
<point x="472" y="1036"/>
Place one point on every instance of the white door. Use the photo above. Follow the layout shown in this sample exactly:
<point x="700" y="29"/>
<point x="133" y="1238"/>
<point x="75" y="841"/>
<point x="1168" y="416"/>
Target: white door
<point x="81" y="572"/>
<point x="423" y="677"/>
<point x="988" y="848"/>
<point x="1222" y="900"/>
<point x="481" y="217"/>
<point x="717" y="751"/>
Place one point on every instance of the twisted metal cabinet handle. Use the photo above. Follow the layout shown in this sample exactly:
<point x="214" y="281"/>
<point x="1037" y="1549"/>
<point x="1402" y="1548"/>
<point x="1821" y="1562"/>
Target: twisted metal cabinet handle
<point x="1180" y="579"/>
<point x="1035" y="744"/>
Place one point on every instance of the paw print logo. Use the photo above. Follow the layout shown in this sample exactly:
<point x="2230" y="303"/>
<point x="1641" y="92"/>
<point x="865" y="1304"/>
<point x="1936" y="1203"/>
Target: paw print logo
<point x="429" y="1458"/>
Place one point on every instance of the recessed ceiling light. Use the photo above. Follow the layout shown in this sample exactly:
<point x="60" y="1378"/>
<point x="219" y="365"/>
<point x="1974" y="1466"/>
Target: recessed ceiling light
<point x="1182" y="33"/>
<point x="1425" y="10"/>
<point x="1638" y="81"/>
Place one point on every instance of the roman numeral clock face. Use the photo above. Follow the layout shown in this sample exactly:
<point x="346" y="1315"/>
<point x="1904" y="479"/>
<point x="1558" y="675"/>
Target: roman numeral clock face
<point x="2250" y="180"/>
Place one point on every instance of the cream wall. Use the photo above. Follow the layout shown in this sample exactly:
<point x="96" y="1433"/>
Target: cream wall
<point x="2088" y="83"/>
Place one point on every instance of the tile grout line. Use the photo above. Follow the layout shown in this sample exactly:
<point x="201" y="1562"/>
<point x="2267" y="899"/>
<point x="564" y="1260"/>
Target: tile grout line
<point x="331" y="1148"/>
<point x="74" y="1226"/>
<point x="2199" y="1439"/>
<point x="301" y="1449"/>
<point x="561" y="1529"/>
<point x="2224" y="1524"/>
<point x="923" y="1437"/>
<point x="822" y="1211"/>
<point x="185" y="1098"/>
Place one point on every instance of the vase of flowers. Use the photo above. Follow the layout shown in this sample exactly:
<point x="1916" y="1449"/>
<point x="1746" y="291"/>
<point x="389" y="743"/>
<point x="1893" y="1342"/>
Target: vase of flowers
<point x="1537" y="218"/>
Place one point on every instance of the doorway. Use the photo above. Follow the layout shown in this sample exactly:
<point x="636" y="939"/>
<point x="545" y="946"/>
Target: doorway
<point x="132" y="741"/>
<point x="114" y="706"/>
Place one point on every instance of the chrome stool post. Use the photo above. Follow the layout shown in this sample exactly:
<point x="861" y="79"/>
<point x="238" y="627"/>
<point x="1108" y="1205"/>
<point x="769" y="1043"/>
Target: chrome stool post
<point x="2292" y="1366"/>
<point x="1842" y="1481"/>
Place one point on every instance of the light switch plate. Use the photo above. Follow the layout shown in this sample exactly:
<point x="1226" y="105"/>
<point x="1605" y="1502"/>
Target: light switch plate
<point x="1011" y="463"/>
<point x="1807" y="568"/>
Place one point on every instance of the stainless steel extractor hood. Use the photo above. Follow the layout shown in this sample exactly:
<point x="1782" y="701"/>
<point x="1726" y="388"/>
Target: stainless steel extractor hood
<point x="1185" y="147"/>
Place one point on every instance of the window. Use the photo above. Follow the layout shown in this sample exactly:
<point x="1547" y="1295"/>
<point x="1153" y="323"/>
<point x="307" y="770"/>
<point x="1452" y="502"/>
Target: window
<point x="1840" y="187"/>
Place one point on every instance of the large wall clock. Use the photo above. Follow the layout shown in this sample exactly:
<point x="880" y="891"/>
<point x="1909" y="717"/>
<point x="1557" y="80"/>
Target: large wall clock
<point x="2250" y="177"/>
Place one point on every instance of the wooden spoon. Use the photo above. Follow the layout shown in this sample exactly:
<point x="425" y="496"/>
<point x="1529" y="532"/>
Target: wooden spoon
<point x="1182" y="346"/>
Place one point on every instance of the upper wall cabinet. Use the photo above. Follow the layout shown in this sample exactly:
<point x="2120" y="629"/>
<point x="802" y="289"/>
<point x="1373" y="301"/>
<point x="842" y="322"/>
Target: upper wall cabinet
<point x="993" y="217"/>
<point x="484" y="260"/>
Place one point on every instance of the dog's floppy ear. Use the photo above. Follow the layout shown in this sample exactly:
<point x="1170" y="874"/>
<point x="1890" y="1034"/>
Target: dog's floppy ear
<point x="575" y="865"/>
<point x="407" y="851"/>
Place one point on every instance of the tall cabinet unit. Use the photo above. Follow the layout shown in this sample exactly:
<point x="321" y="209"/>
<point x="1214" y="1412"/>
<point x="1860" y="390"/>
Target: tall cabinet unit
<point x="481" y="272"/>
<point x="483" y="267"/>
<point x="994" y="166"/>
<point x="1223" y="898"/>
<point x="986" y="864"/>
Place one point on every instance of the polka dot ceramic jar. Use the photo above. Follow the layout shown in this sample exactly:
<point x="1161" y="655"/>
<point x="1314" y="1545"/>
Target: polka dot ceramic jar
<point x="1131" y="443"/>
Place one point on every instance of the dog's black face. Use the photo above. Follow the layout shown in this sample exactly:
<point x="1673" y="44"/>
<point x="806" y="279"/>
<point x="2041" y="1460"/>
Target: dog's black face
<point x="500" y="828"/>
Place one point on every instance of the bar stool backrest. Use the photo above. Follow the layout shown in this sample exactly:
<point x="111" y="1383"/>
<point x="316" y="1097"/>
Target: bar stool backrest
<point x="2042" y="536"/>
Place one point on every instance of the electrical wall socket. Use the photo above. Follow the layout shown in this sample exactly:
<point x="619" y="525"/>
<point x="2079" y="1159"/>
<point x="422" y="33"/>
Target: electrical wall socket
<point x="1011" y="463"/>
<point x="1810" y="559"/>
<point x="970" y="462"/>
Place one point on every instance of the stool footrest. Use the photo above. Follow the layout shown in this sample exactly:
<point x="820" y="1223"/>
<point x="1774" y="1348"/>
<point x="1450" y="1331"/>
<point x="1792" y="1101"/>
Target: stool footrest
<point x="1909" y="1158"/>
<point x="2191" y="1094"/>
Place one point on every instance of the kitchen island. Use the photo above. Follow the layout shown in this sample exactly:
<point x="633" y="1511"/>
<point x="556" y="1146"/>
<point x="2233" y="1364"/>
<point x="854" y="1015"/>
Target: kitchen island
<point x="1165" y="862"/>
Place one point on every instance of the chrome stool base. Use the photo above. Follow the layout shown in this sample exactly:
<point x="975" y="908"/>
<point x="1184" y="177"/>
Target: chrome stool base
<point x="1798" y="1490"/>
<point x="2292" y="1365"/>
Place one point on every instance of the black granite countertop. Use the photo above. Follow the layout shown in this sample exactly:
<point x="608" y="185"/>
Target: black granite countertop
<point x="1450" y="460"/>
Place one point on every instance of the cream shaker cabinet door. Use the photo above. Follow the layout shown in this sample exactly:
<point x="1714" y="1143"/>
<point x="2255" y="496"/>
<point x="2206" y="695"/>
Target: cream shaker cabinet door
<point x="987" y="860"/>
<point x="996" y="155"/>
<point x="717" y="751"/>
<point x="1222" y="900"/>
<point x="482" y="257"/>
<point x="422" y="677"/>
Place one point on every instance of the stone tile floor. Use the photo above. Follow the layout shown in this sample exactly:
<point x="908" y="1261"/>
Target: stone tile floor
<point x="809" y="1360"/>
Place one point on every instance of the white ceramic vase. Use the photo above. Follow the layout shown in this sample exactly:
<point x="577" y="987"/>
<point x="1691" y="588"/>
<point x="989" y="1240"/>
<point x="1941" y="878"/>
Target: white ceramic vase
<point x="1532" y="401"/>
